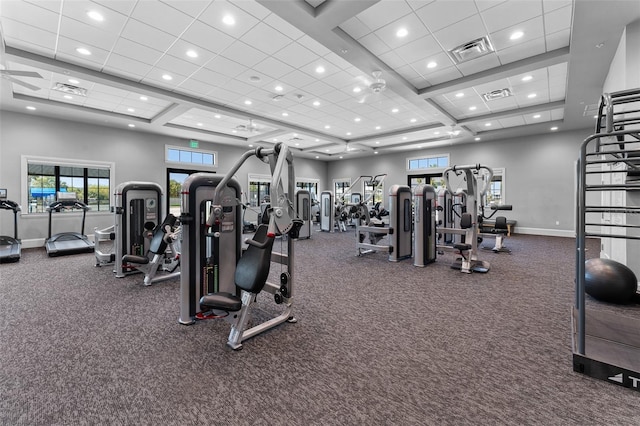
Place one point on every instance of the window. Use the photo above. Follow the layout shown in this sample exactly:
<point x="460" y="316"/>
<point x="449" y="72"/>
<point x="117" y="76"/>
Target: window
<point x="378" y="195"/>
<point x="429" y="162"/>
<point x="495" y="192"/>
<point x="175" y="179"/>
<point x="312" y="187"/>
<point x="259" y="189"/>
<point x="433" y="179"/>
<point x="191" y="157"/>
<point x="340" y="186"/>
<point x="45" y="177"/>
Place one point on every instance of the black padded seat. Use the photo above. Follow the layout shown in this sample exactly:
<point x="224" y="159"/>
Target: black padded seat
<point x="462" y="247"/>
<point x="501" y="226"/>
<point x="157" y="245"/>
<point x="132" y="258"/>
<point x="251" y="275"/>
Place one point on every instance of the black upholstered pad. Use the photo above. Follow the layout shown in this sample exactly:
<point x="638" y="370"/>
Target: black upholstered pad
<point x="253" y="267"/>
<point x="462" y="247"/>
<point x="130" y="258"/>
<point x="223" y="301"/>
<point x="158" y="244"/>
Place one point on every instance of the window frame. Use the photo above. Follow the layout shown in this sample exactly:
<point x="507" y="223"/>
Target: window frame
<point x="429" y="170"/>
<point x="190" y="165"/>
<point x="62" y="162"/>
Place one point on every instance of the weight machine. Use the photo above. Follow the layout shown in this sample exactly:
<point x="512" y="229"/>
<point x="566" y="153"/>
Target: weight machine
<point x="467" y="245"/>
<point x="222" y="281"/>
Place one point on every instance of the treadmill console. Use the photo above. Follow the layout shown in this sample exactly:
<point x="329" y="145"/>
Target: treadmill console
<point x="66" y="196"/>
<point x="3" y="194"/>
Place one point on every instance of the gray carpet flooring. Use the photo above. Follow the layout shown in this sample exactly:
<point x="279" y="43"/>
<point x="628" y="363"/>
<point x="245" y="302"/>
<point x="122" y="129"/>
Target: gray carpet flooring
<point x="376" y="343"/>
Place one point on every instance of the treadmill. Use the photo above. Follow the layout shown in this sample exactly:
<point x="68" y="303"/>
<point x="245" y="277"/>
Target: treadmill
<point x="68" y="242"/>
<point x="10" y="246"/>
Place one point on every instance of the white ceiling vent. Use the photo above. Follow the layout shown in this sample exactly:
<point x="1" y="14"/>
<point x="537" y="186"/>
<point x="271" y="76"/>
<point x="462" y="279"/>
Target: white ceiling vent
<point x="471" y="50"/>
<point x="497" y="94"/>
<point x="70" y="89"/>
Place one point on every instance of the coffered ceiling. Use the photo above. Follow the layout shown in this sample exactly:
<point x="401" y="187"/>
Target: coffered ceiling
<point x="332" y="79"/>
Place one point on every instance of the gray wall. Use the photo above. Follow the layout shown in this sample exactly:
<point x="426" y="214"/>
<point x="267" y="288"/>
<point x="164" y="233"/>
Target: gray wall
<point x="137" y="156"/>
<point x="539" y="175"/>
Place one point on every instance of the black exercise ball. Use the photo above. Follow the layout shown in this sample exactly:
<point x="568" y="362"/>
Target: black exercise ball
<point x="609" y="281"/>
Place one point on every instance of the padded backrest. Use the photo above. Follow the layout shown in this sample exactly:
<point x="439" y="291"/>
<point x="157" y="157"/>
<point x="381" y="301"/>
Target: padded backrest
<point x="501" y="222"/>
<point x="253" y="267"/>
<point x="466" y="221"/>
<point x="158" y="244"/>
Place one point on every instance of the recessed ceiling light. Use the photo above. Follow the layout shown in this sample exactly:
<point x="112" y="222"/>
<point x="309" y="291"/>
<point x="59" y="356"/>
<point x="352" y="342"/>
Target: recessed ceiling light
<point x="317" y="156"/>
<point x="432" y="64"/>
<point x="317" y="140"/>
<point x="144" y="98"/>
<point x="536" y="116"/>
<point x="375" y="152"/>
<point x="472" y="108"/>
<point x="216" y="116"/>
<point x="199" y="124"/>
<point x="531" y="95"/>
<point x="250" y="145"/>
<point x="131" y="110"/>
<point x="248" y="102"/>
<point x="436" y="133"/>
<point x="95" y="15"/>
<point x="278" y="89"/>
<point x="295" y="135"/>
<point x="326" y="150"/>
<point x="404" y="138"/>
<point x="167" y="77"/>
<point x="68" y="97"/>
<point x="320" y="69"/>
<point x="554" y="128"/>
<point x="527" y="78"/>
<point x="297" y="144"/>
<point x="316" y="103"/>
<point x="413" y="120"/>
<point x="402" y="32"/>
<point x="395" y="110"/>
<point x="192" y="53"/>
<point x="340" y="157"/>
<point x="357" y="119"/>
<point x="459" y="95"/>
<point x="476" y="139"/>
<point x="516" y="35"/>
<point x="132" y="125"/>
<point x="234" y="131"/>
<point x="348" y="133"/>
<point x="229" y="20"/>
<point x="31" y="108"/>
<point x="357" y="90"/>
<point x="83" y="51"/>
<point x="275" y="139"/>
<point x="378" y="127"/>
<point x="377" y="142"/>
<point x="487" y="124"/>
<point x="327" y="127"/>
<point x="285" y="114"/>
<point x="73" y="81"/>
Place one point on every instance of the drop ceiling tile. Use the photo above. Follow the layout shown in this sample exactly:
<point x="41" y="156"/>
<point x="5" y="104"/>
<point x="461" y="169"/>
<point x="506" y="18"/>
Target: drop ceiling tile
<point x="461" y="32"/>
<point x="225" y="66"/>
<point x="67" y="50"/>
<point x="147" y="35"/>
<point x="237" y="86"/>
<point x="557" y="114"/>
<point x="557" y="93"/>
<point x="409" y="73"/>
<point x="337" y="61"/>
<point x="295" y="55"/>
<point x="138" y="52"/>
<point x="421" y="48"/>
<point x="76" y="30"/>
<point x="512" y="121"/>
<point x="254" y="9"/>
<point x="244" y="54"/>
<point x="522" y="51"/>
<point x="206" y="37"/>
<point x="487" y="4"/>
<point x="298" y="79"/>
<point x="373" y="44"/>
<point x="415" y="28"/>
<point x="313" y="45"/>
<point x="77" y="10"/>
<point x="539" y="117"/>
<point x="440" y="14"/>
<point x="210" y="77"/>
<point x="355" y="28"/>
<point x="532" y="29"/>
<point x="482" y="63"/>
<point x="154" y="78"/>
<point x="383" y="12"/>
<point x="558" y="40"/>
<point x="442" y="75"/>
<point x="192" y="8"/>
<point x="273" y="68"/>
<point x="35" y="15"/>
<point x="124" y="7"/>
<point x="103" y="105"/>
<point x="195" y="86"/>
<point x="558" y="20"/>
<point x="265" y="38"/>
<point x="121" y="65"/>
<point x="283" y="26"/>
<point x="549" y="5"/>
<point x="217" y="10"/>
<point x="25" y="37"/>
<point x="310" y="68"/>
<point x="172" y="64"/>
<point x="319" y="88"/>
<point x="180" y="47"/>
<point x="510" y="13"/>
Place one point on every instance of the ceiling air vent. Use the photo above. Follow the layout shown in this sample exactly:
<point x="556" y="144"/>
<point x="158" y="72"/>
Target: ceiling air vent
<point x="497" y="94"/>
<point x="471" y="50"/>
<point x="70" y="89"/>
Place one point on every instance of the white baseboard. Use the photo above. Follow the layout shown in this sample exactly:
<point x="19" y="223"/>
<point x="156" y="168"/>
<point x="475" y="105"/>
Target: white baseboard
<point x="546" y="232"/>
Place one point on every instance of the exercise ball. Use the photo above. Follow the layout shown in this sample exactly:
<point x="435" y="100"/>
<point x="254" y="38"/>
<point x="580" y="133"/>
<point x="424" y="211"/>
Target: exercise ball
<point x="609" y="281"/>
